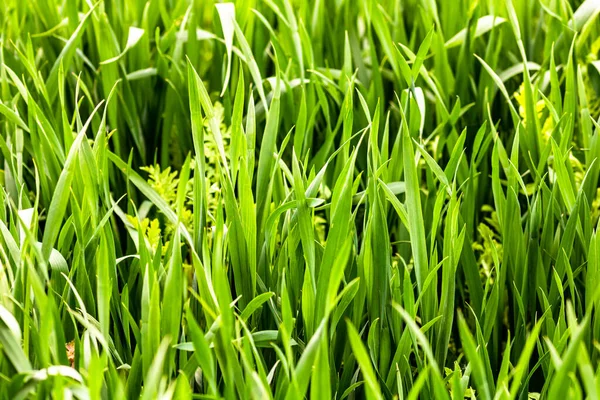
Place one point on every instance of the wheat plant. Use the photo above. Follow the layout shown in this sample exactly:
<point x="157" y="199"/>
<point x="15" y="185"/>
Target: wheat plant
<point x="288" y="199"/>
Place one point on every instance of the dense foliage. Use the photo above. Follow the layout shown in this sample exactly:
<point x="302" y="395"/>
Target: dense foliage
<point x="299" y="198"/>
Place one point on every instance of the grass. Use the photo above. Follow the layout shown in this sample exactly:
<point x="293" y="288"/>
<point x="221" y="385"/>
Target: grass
<point x="286" y="199"/>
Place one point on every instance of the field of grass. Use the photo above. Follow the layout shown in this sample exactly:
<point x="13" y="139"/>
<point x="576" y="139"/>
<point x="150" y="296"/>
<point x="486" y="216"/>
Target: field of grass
<point x="288" y="199"/>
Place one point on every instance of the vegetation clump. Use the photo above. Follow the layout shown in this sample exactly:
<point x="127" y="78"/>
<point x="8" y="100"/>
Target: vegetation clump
<point x="288" y="199"/>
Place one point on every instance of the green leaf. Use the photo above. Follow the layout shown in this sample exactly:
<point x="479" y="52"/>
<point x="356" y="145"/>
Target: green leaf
<point x="358" y="348"/>
<point x="484" y="25"/>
